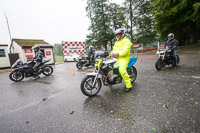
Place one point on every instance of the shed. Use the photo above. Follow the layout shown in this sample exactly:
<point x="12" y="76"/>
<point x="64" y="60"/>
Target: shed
<point x="24" y="48"/>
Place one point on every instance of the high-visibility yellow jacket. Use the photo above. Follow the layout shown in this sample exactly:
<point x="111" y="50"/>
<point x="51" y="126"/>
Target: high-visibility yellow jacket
<point x="122" y="47"/>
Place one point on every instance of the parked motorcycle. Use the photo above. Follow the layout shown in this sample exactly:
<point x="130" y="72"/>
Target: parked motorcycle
<point x="24" y="70"/>
<point x="106" y="71"/>
<point x="84" y="61"/>
<point x="165" y="58"/>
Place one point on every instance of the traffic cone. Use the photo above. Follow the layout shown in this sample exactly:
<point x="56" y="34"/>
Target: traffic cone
<point x="73" y="71"/>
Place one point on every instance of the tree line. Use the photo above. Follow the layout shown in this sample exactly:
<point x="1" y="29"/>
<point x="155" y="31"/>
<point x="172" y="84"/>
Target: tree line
<point x="146" y="21"/>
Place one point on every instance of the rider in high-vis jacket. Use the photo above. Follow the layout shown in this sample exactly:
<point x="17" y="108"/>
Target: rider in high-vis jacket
<point x="121" y="52"/>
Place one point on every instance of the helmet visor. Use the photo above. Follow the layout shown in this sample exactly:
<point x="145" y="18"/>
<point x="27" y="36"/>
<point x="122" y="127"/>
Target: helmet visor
<point x="170" y="37"/>
<point x="118" y="36"/>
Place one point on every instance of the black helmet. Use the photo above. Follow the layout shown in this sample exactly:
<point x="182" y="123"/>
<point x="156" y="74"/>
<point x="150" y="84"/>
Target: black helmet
<point x="36" y="48"/>
<point x="170" y="36"/>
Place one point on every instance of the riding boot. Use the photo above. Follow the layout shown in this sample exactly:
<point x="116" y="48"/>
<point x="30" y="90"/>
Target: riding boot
<point x="127" y="89"/>
<point x="36" y="76"/>
<point x="36" y="73"/>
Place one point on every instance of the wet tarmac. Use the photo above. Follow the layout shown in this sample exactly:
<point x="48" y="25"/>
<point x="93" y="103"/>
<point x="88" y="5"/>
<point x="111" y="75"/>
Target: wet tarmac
<point x="166" y="101"/>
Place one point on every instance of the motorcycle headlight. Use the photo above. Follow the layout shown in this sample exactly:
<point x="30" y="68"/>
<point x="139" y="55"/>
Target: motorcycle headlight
<point x="157" y="52"/>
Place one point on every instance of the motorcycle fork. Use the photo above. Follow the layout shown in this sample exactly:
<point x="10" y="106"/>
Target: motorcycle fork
<point x="95" y="78"/>
<point x="163" y="57"/>
<point x="17" y="72"/>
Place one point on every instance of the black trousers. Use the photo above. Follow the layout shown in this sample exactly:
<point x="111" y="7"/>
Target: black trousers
<point x="174" y="56"/>
<point x="36" y="65"/>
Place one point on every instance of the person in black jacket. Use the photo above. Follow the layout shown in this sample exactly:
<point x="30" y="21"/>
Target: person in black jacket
<point x="172" y="44"/>
<point x="38" y="58"/>
<point x="91" y="54"/>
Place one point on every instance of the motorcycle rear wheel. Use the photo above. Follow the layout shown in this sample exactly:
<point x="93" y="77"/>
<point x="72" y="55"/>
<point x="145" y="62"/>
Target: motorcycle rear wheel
<point x="159" y="64"/>
<point x="47" y="71"/>
<point x="132" y="72"/>
<point x="86" y="86"/>
<point x="16" y="76"/>
<point x="79" y="65"/>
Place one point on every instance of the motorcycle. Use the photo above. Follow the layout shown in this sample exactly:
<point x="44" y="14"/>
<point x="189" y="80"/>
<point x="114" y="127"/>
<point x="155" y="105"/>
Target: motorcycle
<point x="84" y="61"/>
<point x="24" y="70"/>
<point x="165" y="58"/>
<point x="106" y="71"/>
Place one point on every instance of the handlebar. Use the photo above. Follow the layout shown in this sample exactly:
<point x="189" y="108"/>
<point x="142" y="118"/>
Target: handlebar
<point x="114" y="55"/>
<point x="167" y="48"/>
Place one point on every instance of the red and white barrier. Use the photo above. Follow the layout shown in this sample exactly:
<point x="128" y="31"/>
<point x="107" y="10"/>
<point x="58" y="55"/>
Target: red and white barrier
<point x="74" y="47"/>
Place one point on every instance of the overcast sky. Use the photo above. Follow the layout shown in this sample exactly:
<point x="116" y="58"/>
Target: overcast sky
<point x="50" y="20"/>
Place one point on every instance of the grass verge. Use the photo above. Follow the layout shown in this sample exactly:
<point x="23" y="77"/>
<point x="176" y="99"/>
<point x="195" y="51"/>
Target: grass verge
<point x="59" y="59"/>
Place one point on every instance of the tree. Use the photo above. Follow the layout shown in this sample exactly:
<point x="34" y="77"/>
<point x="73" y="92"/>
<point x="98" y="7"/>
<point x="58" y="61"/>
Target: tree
<point x="178" y="16"/>
<point x="96" y="11"/>
<point x="116" y="19"/>
<point x="105" y="19"/>
<point x="141" y="21"/>
<point x="145" y="28"/>
<point x="132" y="7"/>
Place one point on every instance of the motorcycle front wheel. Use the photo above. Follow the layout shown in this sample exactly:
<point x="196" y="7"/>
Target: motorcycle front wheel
<point x="159" y="64"/>
<point x="47" y="71"/>
<point x="79" y="65"/>
<point x="86" y="86"/>
<point x="132" y="72"/>
<point x="16" y="76"/>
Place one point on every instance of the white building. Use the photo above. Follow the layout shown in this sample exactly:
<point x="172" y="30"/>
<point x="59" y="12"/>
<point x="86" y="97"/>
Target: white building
<point x="24" y="48"/>
<point x="4" y="58"/>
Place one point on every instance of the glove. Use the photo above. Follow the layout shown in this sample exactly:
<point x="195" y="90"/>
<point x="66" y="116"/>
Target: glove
<point x="115" y="55"/>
